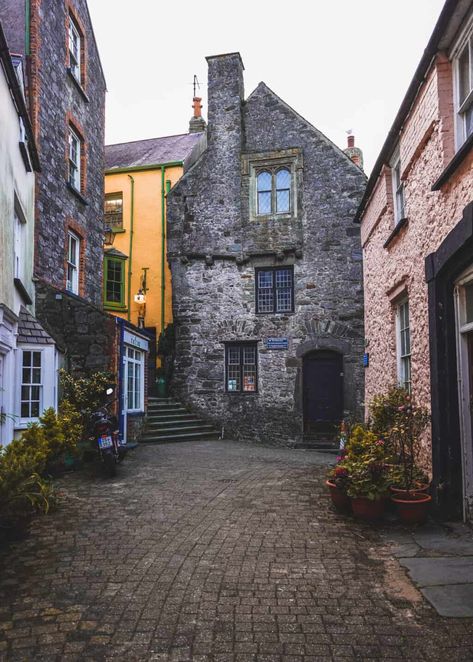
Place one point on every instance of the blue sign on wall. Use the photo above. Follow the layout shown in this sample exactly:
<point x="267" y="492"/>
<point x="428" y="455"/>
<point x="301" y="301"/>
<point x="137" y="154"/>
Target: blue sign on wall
<point x="366" y="360"/>
<point x="277" y="343"/>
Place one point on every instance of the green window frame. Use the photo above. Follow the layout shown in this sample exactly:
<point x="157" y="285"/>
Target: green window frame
<point x="114" y="283"/>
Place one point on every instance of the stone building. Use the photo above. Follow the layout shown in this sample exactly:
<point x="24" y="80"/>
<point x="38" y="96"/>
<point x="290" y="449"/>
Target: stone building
<point x="66" y="99"/>
<point x="27" y="353"/>
<point x="266" y="269"/>
<point x="417" y="234"/>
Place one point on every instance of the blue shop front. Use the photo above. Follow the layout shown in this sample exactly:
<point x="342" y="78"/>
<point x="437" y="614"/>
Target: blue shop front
<point x="134" y="348"/>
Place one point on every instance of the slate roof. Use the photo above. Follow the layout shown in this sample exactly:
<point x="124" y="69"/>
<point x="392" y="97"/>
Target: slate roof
<point x="30" y="330"/>
<point x="151" y="151"/>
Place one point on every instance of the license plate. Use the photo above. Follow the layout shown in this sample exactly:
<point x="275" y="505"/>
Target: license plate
<point x="105" y="442"/>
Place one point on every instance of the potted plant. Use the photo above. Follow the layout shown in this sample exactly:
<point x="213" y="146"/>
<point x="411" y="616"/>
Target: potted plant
<point x="405" y="436"/>
<point x="368" y="487"/>
<point x="365" y="465"/>
<point x="337" y="483"/>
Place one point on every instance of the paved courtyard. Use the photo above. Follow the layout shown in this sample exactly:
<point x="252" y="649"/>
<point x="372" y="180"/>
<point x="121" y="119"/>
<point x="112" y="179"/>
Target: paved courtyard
<point x="214" y="551"/>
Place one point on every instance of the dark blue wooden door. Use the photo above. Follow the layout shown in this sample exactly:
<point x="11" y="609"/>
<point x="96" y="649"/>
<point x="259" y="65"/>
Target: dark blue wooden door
<point x="323" y="389"/>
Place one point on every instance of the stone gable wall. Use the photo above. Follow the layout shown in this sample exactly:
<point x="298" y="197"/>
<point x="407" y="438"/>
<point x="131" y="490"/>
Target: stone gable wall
<point x="214" y="247"/>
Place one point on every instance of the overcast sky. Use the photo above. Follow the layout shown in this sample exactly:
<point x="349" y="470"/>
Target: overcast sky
<point x="342" y="64"/>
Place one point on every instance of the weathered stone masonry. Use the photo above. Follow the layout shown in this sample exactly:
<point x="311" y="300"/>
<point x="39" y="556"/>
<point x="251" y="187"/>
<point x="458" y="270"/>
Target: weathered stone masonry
<point x="216" y="240"/>
<point x="56" y="101"/>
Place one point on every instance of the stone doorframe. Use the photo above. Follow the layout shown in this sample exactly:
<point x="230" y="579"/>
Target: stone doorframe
<point x="339" y="345"/>
<point x="442" y="269"/>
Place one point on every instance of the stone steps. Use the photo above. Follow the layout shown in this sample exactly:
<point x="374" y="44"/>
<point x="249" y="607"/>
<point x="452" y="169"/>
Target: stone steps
<point x="323" y="442"/>
<point x="169" y="421"/>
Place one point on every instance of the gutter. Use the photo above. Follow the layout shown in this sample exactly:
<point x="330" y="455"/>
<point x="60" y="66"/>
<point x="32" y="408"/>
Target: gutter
<point x="139" y="168"/>
<point x="412" y="91"/>
<point x="130" y="252"/>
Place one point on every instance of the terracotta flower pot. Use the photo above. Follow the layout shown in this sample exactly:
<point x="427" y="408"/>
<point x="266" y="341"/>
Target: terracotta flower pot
<point x="368" y="509"/>
<point x="339" y="499"/>
<point x="412" y="507"/>
<point x="418" y="487"/>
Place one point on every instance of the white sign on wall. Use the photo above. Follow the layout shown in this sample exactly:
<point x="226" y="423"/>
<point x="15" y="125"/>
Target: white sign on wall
<point x="135" y="341"/>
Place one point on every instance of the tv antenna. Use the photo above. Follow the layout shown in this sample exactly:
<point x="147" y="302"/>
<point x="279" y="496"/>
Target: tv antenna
<point x="196" y="84"/>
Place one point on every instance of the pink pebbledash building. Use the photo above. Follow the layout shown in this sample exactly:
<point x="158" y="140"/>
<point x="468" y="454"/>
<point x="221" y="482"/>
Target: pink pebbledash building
<point x="417" y="234"/>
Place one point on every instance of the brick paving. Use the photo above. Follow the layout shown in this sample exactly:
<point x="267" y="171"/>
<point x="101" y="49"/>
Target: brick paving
<point x="218" y="552"/>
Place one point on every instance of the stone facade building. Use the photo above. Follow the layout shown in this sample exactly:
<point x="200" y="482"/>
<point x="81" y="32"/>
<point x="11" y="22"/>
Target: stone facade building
<point x="417" y="235"/>
<point x="66" y="99"/>
<point x="266" y="269"/>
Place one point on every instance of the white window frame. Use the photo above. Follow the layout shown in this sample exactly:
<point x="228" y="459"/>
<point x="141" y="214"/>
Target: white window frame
<point x="75" y="154"/>
<point x="75" y="49"/>
<point x="31" y="383"/>
<point x="135" y="361"/>
<point x="399" y="202"/>
<point x="404" y="363"/>
<point x="73" y="262"/>
<point x="49" y="378"/>
<point x="464" y="42"/>
<point x="463" y="328"/>
<point x="19" y="251"/>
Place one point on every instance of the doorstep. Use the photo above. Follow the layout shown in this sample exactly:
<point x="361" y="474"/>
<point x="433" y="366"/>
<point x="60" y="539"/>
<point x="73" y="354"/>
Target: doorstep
<point x="439" y="560"/>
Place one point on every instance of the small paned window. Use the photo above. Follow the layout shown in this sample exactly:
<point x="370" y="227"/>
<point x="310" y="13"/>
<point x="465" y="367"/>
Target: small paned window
<point x="275" y="290"/>
<point x="404" y="345"/>
<point x="241" y="368"/>
<point x="398" y="190"/>
<point x="114" y="281"/>
<point x="19" y="244"/>
<point x="31" y="385"/>
<point x="75" y="153"/>
<point x="134" y="379"/>
<point x="464" y="86"/>
<point x="75" y="50"/>
<point x="114" y="210"/>
<point x="273" y="190"/>
<point x="73" y="264"/>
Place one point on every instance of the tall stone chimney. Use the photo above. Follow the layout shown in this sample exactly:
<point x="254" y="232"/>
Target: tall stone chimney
<point x="354" y="153"/>
<point x="225" y="96"/>
<point x="197" y="122"/>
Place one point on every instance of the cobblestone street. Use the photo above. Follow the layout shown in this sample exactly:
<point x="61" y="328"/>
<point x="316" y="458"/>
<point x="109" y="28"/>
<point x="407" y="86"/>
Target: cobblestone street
<point x="212" y="551"/>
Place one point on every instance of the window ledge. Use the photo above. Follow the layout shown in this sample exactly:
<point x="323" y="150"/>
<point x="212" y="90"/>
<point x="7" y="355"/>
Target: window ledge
<point x="77" y="193"/>
<point x="77" y="84"/>
<point x="241" y="393"/>
<point x="401" y="224"/>
<point x="118" y="230"/>
<point x="116" y="309"/>
<point x="22" y="291"/>
<point x="455" y="163"/>
<point x="25" y="155"/>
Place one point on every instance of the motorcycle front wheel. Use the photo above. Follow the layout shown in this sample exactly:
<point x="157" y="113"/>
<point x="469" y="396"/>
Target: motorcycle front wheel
<point x="109" y="465"/>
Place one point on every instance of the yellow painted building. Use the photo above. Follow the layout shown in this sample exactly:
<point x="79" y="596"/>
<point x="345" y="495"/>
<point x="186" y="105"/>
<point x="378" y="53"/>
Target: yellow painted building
<point x="138" y="176"/>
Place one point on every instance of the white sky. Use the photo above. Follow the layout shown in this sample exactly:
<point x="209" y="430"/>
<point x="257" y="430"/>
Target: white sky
<point x="342" y="64"/>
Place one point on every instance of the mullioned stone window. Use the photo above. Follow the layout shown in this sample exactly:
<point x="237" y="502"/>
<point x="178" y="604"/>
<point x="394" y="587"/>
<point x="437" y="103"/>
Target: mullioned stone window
<point x="271" y="183"/>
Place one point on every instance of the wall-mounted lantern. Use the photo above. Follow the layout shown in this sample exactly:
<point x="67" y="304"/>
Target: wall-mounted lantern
<point x="108" y="236"/>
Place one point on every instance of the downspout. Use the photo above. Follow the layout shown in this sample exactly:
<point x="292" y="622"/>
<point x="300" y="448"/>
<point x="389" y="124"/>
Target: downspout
<point x="27" y="26"/>
<point x="163" y="251"/>
<point x="132" y="218"/>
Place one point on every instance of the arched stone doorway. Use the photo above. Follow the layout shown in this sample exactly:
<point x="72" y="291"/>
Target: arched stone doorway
<point x="322" y="390"/>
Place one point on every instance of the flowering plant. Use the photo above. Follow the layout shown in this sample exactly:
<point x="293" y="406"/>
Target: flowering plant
<point x="340" y="476"/>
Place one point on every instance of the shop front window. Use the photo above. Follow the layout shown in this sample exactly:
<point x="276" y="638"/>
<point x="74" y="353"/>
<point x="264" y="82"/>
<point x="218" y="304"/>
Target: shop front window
<point x="135" y="379"/>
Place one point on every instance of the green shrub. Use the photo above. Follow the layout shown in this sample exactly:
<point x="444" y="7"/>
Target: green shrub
<point x="384" y="409"/>
<point x="83" y="394"/>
